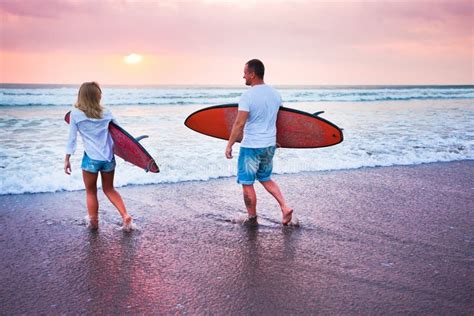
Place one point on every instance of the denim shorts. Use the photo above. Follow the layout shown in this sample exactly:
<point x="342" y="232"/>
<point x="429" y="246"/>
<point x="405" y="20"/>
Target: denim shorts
<point x="255" y="163"/>
<point x="94" y="166"/>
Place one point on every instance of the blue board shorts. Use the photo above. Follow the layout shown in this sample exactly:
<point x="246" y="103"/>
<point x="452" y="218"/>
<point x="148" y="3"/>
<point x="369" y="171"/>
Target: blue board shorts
<point x="255" y="163"/>
<point x="94" y="166"/>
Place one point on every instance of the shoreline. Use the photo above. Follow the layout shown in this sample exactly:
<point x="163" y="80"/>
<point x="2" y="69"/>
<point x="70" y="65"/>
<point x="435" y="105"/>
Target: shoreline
<point x="316" y="172"/>
<point x="370" y="241"/>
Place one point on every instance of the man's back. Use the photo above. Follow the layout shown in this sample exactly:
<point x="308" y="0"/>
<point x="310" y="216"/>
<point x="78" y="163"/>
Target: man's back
<point x="262" y="102"/>
<point x="256" y="120"/>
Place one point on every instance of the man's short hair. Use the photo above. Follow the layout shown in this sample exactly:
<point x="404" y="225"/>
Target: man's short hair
<point x="257" y="67"/>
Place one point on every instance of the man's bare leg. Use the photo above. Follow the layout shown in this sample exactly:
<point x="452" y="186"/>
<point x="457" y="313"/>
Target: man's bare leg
<point x="273" y="188"/>
<point x="250" y="199"/>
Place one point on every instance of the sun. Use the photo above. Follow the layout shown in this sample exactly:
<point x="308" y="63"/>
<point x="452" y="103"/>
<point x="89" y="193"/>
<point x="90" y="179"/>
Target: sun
<point x="132" y="59"/>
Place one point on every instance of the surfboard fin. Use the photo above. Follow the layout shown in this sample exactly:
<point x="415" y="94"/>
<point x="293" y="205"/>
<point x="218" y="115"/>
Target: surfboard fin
<point x="317" y="113"/>
<point x="139" y="138"/>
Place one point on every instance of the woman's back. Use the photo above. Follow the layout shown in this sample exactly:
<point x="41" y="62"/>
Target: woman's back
<point x="98" y="143"/>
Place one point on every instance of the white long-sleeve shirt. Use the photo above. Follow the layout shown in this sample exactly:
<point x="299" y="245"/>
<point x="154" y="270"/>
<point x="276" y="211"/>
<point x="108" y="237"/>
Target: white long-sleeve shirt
<point x="98" y="143"/>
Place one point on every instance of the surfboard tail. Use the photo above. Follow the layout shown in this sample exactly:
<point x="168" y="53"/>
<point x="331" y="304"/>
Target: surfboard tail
<point x="152" y="167"/>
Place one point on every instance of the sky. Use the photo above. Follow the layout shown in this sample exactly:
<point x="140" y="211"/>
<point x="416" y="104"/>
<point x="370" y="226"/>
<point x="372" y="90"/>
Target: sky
<point x="207" y="42"/>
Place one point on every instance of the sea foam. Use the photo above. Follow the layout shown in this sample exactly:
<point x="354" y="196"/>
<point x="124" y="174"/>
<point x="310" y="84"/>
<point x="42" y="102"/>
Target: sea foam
<point x="382" y="133"/>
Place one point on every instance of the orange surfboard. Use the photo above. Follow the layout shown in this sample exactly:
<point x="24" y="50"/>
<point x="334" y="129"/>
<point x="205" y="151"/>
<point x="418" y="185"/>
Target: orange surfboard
<point x="128" y="148"/>
<point x="295" y="129"/>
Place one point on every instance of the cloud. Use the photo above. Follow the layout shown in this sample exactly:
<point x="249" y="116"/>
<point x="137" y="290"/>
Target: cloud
<point x="223" y="27"/>
<point x="40" y="9"/>
<point x="340" y="35"/>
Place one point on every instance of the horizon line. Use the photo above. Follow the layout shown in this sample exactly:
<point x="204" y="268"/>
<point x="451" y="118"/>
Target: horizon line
<point x="173" y="85"/>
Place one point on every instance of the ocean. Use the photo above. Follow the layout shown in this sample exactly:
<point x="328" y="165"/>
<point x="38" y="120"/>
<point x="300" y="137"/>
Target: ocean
<point x="383" y="126"/>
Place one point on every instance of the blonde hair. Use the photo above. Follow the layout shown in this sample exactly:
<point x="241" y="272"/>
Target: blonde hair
<point x="88" y="100"/>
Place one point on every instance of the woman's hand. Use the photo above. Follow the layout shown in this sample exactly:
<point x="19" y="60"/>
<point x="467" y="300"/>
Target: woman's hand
<point x="67" y="165"/>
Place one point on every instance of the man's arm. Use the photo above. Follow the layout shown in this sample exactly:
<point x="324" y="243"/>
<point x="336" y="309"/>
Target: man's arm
<point x="237" y="131"/>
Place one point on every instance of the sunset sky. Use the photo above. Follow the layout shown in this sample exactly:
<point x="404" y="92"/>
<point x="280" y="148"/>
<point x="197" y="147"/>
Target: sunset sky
<point x="208" y="41"/>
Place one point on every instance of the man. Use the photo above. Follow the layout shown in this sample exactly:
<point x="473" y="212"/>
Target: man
<point x="256" y="122"/>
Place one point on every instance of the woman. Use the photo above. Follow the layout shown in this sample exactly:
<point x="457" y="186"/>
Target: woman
<point x="92" y="121"/>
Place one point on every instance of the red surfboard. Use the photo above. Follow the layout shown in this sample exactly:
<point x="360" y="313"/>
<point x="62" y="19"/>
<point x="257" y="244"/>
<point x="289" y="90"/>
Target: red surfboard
<point x="128" y="148"/>
<point x="295" y="129"/>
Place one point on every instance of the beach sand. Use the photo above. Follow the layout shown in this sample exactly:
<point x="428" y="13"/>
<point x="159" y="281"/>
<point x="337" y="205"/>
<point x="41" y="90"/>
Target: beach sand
<point x="385" y="240"/>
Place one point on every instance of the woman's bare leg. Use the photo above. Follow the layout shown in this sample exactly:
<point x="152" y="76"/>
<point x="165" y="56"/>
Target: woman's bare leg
<point x="90" y="182"/>
<point x="114" y="196"/>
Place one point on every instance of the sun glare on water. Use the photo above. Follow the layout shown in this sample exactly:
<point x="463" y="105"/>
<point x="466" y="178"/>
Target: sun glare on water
<point x="133" y="59"/>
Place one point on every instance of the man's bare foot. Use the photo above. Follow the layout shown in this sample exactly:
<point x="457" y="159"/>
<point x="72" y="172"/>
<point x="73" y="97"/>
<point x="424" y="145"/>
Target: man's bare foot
<point x="287" y="216"/>
<point x="250" y="221"/>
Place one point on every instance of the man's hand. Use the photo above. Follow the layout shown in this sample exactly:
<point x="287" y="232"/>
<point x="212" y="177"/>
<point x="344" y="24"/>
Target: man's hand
<point x="228" y="152"/>
<point x="237" y="131"/>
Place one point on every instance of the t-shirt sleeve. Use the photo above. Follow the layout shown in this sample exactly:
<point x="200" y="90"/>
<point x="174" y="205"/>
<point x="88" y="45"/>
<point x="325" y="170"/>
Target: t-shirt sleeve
<point x="244" y="104"/>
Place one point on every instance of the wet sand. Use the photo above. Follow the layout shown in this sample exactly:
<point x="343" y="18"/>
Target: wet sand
<point x="392" y="240"/>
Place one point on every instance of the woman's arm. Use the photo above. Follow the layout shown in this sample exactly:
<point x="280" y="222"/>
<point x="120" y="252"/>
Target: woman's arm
<point x="71" y="144"/>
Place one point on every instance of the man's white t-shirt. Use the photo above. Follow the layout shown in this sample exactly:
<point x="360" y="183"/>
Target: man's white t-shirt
<point x="262" y="102"/>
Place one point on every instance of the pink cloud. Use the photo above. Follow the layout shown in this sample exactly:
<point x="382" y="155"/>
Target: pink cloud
<point x="39" y="9"/>
<point x="323" y="35"/>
